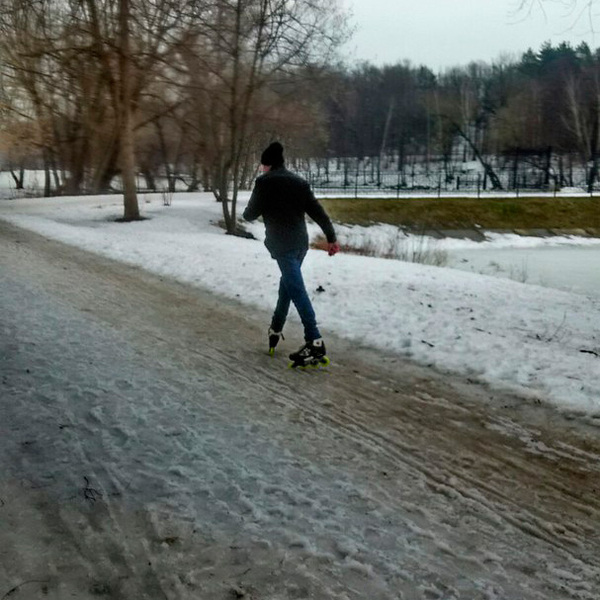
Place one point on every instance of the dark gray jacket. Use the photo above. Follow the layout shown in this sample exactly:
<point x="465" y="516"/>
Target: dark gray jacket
<point x="282" y="199"/>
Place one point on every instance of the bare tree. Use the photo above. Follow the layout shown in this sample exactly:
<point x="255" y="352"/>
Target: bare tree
<point x="467" y="111"/>
<point x="583" y="119"/>
<point x="575" y="11"/>
<point x="28" y="90"/>
<point x="241" y="49"/>
<point x="130" y="39"/>
<point x="82" y="68"/>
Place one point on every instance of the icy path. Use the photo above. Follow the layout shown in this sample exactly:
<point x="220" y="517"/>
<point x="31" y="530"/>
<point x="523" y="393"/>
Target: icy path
<point x="144" y="457"/>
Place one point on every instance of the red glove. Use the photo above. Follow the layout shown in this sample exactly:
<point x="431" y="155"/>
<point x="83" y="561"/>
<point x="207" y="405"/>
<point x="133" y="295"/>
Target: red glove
<point x="333" y="248"/>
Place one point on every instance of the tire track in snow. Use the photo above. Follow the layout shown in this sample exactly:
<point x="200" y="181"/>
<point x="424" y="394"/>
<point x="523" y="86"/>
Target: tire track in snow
<point x="357" y="430"/>
<point x="447" y="476"/>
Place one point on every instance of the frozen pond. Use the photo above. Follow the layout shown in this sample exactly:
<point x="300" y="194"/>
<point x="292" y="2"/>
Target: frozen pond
<point x="562" y="262"/>
<point x="572" y="268"/>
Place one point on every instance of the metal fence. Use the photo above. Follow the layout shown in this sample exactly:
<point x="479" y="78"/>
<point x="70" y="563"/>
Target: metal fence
<point x="437" y="181"/>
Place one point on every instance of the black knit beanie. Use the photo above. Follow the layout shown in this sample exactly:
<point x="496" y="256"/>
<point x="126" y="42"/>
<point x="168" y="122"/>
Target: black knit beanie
<point x="272" y="156"/>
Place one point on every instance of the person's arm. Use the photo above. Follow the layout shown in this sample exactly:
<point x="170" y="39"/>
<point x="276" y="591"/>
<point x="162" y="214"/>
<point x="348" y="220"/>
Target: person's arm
<point x="317" y="213"/>
<point x="255" y="205"/>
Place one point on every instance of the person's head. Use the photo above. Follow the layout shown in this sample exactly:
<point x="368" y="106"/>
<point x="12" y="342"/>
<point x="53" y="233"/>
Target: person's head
<point x="272" y="157"/>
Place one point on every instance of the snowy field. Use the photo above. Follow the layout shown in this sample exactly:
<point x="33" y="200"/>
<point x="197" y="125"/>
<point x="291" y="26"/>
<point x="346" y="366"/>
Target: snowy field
<point x="541" y="343"/>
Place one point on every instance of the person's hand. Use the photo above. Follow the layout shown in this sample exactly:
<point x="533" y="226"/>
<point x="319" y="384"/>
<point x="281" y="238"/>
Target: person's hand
<point x="333" y="248"/>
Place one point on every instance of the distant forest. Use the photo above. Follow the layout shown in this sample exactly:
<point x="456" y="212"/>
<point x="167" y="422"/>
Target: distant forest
<point x="543" y="108"/>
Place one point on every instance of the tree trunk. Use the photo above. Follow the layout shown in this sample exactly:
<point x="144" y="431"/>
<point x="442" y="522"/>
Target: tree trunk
<point x="489" y="170"/>
<point x="548" y="166"/>
<point x="515" y="183"/>
<point x="149" y="178"/>
<point x="47" y="174"/>
<point x="127" y="149"/>
<point x="594" y="138"/>
<point x="384" y="138"/>
<point x="165" y="156"/>
<point x="18" y="179"/>
<point x="194" y="184"/>
<point x="74" y="182"/>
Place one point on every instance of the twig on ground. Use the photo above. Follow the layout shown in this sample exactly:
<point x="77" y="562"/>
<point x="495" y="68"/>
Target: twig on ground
<point x="89" y="493"/>
<point x="594" y="352"/>
<point x="553" y="336"/>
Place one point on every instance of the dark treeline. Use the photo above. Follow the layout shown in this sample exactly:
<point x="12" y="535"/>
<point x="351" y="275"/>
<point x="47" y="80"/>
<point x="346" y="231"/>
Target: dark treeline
<point x="542" y="109"/>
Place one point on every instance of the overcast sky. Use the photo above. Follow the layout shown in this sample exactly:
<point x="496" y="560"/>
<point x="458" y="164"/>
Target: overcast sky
<point x="445" y="33"/>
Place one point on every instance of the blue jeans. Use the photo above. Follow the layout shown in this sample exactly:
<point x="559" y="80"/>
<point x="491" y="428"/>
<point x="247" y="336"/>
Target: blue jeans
<point x="292" y="289"/>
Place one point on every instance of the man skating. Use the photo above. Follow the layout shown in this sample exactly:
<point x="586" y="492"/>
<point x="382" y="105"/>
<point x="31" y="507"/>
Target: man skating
<point x="282" y="199"/>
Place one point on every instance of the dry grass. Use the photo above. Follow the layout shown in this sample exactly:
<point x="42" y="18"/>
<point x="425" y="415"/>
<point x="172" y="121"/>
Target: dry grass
<point x="419" y="249"/>
<point x="462" y="213"/>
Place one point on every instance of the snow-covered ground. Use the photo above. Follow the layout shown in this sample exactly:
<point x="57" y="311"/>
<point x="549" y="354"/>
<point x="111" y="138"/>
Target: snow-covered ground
<point x="151" y="449"/>
<point x="539" y="342"/>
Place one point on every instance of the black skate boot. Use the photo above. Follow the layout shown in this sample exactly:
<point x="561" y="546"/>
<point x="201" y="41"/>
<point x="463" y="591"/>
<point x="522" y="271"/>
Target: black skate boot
<point x="274" y="338"/>
<point x="312" y="354"/>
